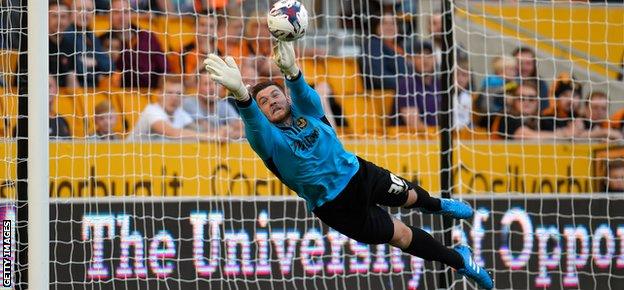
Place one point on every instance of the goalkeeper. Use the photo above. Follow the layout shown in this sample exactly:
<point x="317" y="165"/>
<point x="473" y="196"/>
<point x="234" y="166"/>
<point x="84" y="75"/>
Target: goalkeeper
<point x="296" y="142"/>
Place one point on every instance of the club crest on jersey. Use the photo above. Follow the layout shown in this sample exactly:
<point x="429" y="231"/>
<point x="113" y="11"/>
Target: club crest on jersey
<point x="302" y="122"/>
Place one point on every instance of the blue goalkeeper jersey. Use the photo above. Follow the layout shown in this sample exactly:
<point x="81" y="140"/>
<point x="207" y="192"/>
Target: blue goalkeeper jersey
<point x="307" y="156"/>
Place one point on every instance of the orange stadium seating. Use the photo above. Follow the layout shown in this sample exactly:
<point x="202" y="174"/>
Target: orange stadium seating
<point x="8" y="107"/>
<point x="8" y="68"/>
<point x="313" y="69"/>
<point x="342" y="73"/>
<point x="89" y="101"/>
<point x="366" y="111"/>
<point x="130" y="105"/>
<point x="68" y="107"/>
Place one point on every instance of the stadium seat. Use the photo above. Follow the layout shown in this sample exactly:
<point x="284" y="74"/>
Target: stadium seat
<point x="468" y="134"/>
<point x="495" y="127"/>
<point x="101" y="24"/>
<point x="8" y="68"/>
<point x="360" y="114"/>
<point x="368" y="113"/>
<point x="343" y="75"/>
<point x="131" y="105"/>
<point x="313" y="70"/>
<point x="617" y="118"/>
<point x="110" y="81"/>
<point x="71" y="91"/>
<point x="147" y="22"/>
<point x="70" y="108"/>
<point x="9" y="109"/>
<point x="180" y="31"/>
<point x="382" y="103"/>
<point x="173" y="34"/>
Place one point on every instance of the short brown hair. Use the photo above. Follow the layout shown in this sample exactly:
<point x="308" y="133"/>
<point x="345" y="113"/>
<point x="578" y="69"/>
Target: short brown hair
<point x="615" y="164"/>
<point x="263" y="85"/>
<point x="173" y="78"/>
<point x="103" y="107"/>
<point x="525" y="83"/>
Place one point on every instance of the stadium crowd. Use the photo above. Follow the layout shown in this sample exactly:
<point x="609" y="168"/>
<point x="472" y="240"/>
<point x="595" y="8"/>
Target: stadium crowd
<point x="127" y="54"/>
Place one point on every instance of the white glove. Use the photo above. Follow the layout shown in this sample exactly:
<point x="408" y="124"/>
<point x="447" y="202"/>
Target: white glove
<point x="284" y="58"/>
<point x="227" y="74"/>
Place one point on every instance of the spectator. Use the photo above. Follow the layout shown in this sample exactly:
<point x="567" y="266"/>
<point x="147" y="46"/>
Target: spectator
<point x="617" y="120"/>
<point x="522" y="119"/>
<point x="211" y="112"/>
<point x="597" y="111"/>
<point x="101" y="5"/>
<point x="142" y="60"/>
<point x="615" y="176"/>
<point x="204" y="44"/>
<point x="59" y="128"/>
<point x="105" y="120"/>
<point x="257" y="34"/>
<point x="505" y="71"/>
<point x="112" y="44"/>
<point x="248" y="72"/>
<point x="259" y="39"/>
<point x="491" y="101"/>
<point x="166" y="118"/>
<point x="462" y="111"/>
<point x="60" y="65"/>
<point x="230" y="37"/>
<point x="527" y="71"/>
<point x="567" y="106"/>
<point x="87" y="56"/>
<point x="176" y="6"/>
<point x="418" y="95"/>
<point x="597" y="119"/>
<point x="383" y="62"/>
<point x="218" y="4"/>
<point x="142" y="5"/>
<point x="569" y="110"/>
<point x="437" y="36"/>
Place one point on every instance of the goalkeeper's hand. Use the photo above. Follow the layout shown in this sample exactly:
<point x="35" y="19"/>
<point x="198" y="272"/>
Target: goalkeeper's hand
<point x="284" y="58"/>
<point x="226" y="73"/>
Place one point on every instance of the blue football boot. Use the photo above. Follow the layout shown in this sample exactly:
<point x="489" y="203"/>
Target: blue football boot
<point x="473" y="271"/>
<point x="454" y="208"/>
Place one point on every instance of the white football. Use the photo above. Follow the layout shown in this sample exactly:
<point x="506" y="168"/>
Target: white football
<point x="288" y="20"/>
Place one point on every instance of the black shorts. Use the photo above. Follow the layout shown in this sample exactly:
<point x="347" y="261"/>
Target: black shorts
<point x="355" y="212"/>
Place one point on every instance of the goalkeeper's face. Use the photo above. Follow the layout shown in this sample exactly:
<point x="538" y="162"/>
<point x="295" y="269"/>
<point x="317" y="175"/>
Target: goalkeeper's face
<point x="274" y="104"/>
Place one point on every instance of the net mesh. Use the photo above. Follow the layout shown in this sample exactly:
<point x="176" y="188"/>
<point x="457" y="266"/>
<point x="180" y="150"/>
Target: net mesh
<point x="154" y="185"/>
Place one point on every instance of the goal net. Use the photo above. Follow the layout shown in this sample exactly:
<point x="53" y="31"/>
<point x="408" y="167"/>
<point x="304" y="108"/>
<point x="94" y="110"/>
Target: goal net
<point x="153" y="184"/>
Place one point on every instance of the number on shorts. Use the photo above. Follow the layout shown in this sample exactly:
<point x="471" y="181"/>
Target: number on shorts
<point x="398" y="185"/>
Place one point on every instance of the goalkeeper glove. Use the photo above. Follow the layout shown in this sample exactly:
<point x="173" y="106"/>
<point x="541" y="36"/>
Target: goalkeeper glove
<point x="284" y="58"/>
<point x="226" y="73"/>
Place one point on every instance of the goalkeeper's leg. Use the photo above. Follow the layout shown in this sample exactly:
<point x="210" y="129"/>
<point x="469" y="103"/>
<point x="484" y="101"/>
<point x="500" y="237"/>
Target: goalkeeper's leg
<point x="419" y="243"/>
<point x="355" y="212"/>
<point x="391" y="190"/>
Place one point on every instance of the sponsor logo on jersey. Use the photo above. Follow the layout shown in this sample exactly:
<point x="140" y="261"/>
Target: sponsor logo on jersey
<point x="302" y="122"/>
<point x="307" y="141"/>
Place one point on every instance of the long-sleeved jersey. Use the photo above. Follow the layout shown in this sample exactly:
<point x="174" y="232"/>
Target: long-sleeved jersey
<point x="307" y="156"/>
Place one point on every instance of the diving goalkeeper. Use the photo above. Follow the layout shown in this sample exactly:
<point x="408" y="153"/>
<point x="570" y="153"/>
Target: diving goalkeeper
<point x="297" y="143"/>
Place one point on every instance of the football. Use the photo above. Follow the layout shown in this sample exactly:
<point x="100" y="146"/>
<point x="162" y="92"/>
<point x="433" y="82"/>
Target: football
<point x="288" y="20"/>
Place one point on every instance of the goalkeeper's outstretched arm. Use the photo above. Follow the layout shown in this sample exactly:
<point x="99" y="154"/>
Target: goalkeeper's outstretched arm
<point x="303" y="96"/>
<point x="257" y="126"/>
